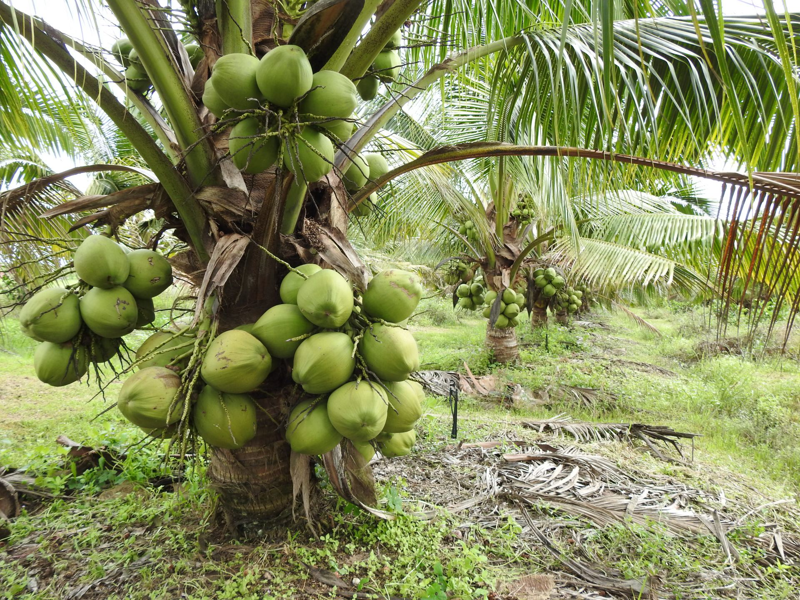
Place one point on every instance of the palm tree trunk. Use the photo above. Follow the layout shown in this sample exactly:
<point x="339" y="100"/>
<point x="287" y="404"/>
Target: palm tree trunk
<point x="538" y="315"/>
<point x="502" y="343"/>
<point x="254" y="482"/>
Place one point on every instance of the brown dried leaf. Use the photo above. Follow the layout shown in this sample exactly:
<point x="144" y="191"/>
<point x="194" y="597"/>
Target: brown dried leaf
<point x="226" y="256"/>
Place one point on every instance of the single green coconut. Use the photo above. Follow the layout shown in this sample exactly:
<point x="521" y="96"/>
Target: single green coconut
<point x="357" y="174"/>
<point x="251" y="150"/>
<point x="490" y="296"/>
<point x="341" y="130"/>
<point x="163" y="349"/>
<point x="133" y="58"/>
<point x="511" y="311"/>
<point x="102" y="349"/>
<point x="550" y="273"/>
<point x="357" y="410"/>
<point x="308" y="156"/>
<point x="195" y="53"/>
<point x="236" y="362"/>
<point x="399" y="444"/>
<point x="146" y="397"/>
<point x="387" y="66"/>
<point x="100" y="262"/>
<point x="558" y="282"/>
<point x="390" y="352"/>
<point x="332" y="95"/>
<point x="323" y="362"/>
<point x="366" y="206"/>
<point x="405" y="405"/>
<point x="60" y="364"/>
<point x="326" y="299"/>
<point x="149" y="274"/>
<point x="280" y="324"/>
<point x="509" y="296"/>
<point x="463" y="291"/>
<point x="212" y="100"/>
<point x="109" y="313"/>
<point x="224" y="420"/>
<point x="309" y="430"/>
<point x="51" y="315"/>
<point x="502" y="322"/>
<point x="393" y="295"/>
<point x="476" y="289"/>
<point x="538" y="273"/>
<point x="365" y="449"/>
<point x="136" y="78"/>
<point x="466" y="303"/>
<point x="248" y="327"/>
<point x="284" y="74"/>
<point x="548" y="291"/>
<point x="378" y="167"/>
<point x="395" y="41"/>
<point x="541" y="282"/>
<point x="367" y="86"/>
<point x="121" y="49"/>
<point x="234" y="77"/>
<point x="146" y="312"/>
<point x="292" y="282"/>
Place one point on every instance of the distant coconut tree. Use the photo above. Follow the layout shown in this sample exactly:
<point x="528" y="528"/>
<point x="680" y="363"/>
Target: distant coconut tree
<point x="254" y="181"/>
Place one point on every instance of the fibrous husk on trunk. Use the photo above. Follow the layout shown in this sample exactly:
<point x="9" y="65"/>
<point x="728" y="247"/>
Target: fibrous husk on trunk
<point x="503" y="344"/>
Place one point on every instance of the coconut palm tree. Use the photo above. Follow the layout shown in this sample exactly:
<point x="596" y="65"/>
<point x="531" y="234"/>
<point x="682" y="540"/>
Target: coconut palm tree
<point x="569" y="79"/>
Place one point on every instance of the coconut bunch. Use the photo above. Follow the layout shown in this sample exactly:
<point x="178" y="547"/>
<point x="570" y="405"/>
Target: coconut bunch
<point x="511" y="304"/>
<point x="281" y="111"/>
<point x="385" y="69"/>
<point x="552" y="291"/>
<point x="468" y="230"/>
<point x="459" y="271"/>
<point x="136" y="77"/>
<point x="524" y="211"/>
<point x="352" y="356"/>
<point x="470" y="296"/>
<point x="83" y="324"/>
<point x="548" y="281"/>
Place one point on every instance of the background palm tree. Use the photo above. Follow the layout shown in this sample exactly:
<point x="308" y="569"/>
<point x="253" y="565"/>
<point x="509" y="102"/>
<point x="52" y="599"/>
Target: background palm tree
<point x="614" y="79"/>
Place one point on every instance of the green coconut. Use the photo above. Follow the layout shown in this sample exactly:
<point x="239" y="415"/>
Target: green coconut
<point x="121" y="49"/>
<point x="548" y="291"/>
<point x="399" y="444"/>
<point x="212" y="100"/>
<point x="310" y="431"/>
<point x="466" y="303"/>
<point x="103" y="349"/>
<point x="284" y="74"/>
<point x="234" y="77"/>
<point x="541" y="282"/>
<point x="308" y="156"/>
<point x="51" y="315"/>
<point x="149" y="274"/>
<point x="395" y="41"/>
<point x="136" y="78"/>
<point x="463" y="291"/>
<point x="502" y="322"/>
<point x="393" y="295"/>
<point x="145" y="398"/>
<point x="323" y="362"/>
<point x="332" y="95"/>
<point x="387" y="65"/>
<point x="366" y="206"/>
<point x="195" y="53"/>
<point x="511" y="311"/>
<point x="358" y="410"/>
<point x="133" y="58"/>
<point x="326" y="299"/>
<point x="292" y="282"/>
<point x="367" y="86"/>
<point x="60" y="364"/>
<point x="341" y="130"/>
<point x="164" y="348"/>
<point x="100" y="262"/>
<point x="146" y="312"/>
<point x="280" y="324"/>
<point x="378" y="167"/>
<point x="236" y="362"/>
<point x="390" y="352"/>
<point x="550" y="273"/>
<point x="252" y="151"/>
<point x="224" y="420"/>
<point x="365" y="449"/>
<point x="357" y="174"/>
<point x="405" y="400"/>
<point x="109" y="313"/>
<point x="248" y="327"/>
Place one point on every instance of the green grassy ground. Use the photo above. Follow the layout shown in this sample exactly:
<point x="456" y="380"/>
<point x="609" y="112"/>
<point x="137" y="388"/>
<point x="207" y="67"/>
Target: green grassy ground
<point x="105" y="538"/>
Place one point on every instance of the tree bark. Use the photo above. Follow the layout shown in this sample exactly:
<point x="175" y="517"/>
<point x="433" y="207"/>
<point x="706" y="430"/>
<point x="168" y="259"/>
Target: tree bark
<point x="538" y="316"/>
<point x="503" y="344"/>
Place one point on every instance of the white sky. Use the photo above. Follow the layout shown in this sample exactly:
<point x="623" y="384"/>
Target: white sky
<point x="61" y="14"/>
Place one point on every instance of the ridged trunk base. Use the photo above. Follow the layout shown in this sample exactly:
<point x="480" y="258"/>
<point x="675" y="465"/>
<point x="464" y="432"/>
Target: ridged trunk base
<point x="538" y="317"/>
<point x="254" y="482"/>
<point x="503" y="344"/>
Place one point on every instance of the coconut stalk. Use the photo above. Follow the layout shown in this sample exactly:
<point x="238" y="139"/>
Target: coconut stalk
<point x="235" y="24"/>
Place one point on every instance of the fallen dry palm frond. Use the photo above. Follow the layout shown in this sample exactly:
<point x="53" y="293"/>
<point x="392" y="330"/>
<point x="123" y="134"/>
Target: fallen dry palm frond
<point x="586" y="431"/>
<point x="637" y="319"/>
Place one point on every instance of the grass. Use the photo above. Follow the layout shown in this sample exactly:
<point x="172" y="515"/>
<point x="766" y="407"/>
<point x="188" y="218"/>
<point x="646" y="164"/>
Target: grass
<point x="136" y="541"/>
